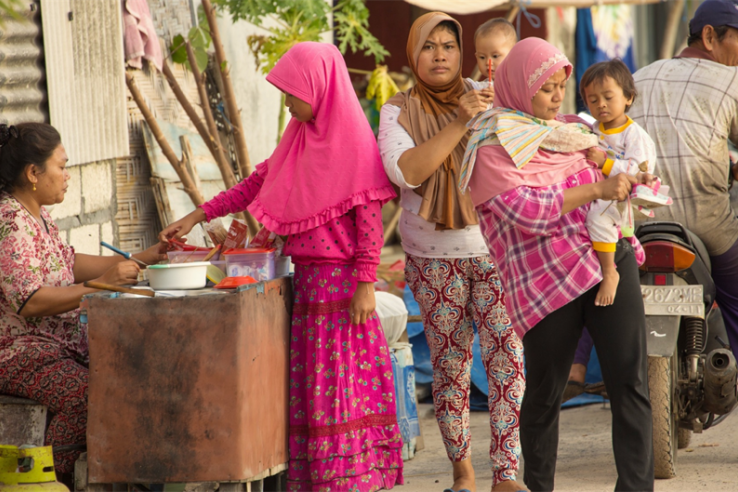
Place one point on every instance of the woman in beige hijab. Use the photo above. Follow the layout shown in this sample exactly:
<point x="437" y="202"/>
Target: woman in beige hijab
<point x="422" y="139"/>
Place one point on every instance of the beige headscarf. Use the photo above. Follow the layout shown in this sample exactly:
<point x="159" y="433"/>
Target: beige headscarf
<point x="425" y="111"/>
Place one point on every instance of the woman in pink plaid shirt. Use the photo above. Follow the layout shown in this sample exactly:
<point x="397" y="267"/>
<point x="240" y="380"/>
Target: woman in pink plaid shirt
<point x="532" y="185"/>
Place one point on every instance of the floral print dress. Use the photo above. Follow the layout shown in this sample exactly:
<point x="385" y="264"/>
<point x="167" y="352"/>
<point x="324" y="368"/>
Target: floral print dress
<point x="44" y="358"/>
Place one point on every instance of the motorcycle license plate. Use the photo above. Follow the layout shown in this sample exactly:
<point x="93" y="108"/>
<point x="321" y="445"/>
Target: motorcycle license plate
<point x="673" y="300"/>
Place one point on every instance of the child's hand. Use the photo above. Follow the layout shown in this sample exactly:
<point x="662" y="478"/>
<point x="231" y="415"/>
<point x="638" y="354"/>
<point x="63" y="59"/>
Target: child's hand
<point x="597" y="156"/>
<point x="488" y="92"/>
<point x="363" y="303"/>
<point x="646" y="179"/>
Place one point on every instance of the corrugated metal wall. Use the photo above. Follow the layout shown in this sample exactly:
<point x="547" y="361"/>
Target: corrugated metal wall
<point x="22" y="91"/>
<point x="83" y="43"/>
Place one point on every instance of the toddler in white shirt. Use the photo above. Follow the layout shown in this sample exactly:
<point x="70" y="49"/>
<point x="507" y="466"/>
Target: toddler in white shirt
<point x="608" y="90"/>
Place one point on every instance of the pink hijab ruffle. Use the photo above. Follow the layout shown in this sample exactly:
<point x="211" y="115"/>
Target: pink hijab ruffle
<point x="520" y="76"/>
<point x="323" y="168"/>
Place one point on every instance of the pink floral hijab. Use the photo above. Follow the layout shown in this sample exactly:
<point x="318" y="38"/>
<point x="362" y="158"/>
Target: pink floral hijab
<point x="509" y="147"/>
<point x="526" y="68"/>
<point x="325" y="167"/>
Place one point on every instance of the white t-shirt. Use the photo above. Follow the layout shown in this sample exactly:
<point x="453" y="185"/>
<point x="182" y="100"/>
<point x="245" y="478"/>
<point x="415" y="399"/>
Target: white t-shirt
<point x="420" y="237"/>
<point x="627" y="147"/>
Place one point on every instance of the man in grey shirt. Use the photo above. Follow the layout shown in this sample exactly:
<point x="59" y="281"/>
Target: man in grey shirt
<point x="689" y="106"/>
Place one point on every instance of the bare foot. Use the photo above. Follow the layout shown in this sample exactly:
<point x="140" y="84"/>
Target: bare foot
<point x="578" y="372"/>
<point x="608" y="287"/>
<point x="464" y="476"/>
<point x="509" y="486"/>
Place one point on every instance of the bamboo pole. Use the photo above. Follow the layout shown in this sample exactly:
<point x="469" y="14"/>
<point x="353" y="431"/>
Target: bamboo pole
<point x="229" y="179"/>
<point x="242" y="152"/>
<point x="199" y="126"/>
<point x="672" y="26"/>
<point x="187" y="182"/>
<point x="512" y="13"/>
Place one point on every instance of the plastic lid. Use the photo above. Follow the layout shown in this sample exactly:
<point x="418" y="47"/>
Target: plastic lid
<point x="249" y="251"/>
<point x="179" y="265"/>
<point x="233" y="282"/>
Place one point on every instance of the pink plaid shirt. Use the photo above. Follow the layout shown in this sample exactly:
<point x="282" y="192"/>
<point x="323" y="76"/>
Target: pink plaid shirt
<point x="545" y="259"/>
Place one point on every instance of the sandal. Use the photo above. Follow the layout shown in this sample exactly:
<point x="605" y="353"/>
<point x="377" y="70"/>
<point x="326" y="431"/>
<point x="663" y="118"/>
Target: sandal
<point x="572" y="390"/>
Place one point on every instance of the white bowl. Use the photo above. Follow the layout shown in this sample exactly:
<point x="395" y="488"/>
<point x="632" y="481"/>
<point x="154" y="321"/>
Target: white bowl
<point x="178" y="276"/>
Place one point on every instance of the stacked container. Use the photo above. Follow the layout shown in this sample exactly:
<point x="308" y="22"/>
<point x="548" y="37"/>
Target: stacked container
<point x="257" y="263"/>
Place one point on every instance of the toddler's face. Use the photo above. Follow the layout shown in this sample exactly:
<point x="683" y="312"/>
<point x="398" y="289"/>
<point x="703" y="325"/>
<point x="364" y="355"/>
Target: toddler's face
<point x="492" y="46"/>
<point x="607" y="102"/>
<point x="299" y="109"/>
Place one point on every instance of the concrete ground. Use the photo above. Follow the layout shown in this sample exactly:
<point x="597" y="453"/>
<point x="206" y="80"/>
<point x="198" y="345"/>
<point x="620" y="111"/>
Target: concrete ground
<point x="585" y="462"/>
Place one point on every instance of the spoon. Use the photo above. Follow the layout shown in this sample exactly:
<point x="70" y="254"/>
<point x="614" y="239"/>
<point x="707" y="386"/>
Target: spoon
<point x="127" y="256"/>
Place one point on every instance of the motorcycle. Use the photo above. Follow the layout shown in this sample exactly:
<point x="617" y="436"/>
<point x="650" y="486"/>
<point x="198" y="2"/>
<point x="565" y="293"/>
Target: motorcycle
<point x="692" y="372"/>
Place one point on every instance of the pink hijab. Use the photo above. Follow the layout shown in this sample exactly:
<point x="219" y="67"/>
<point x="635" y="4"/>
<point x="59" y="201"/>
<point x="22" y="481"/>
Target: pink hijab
<point x="520" y="76"/>
<point x="325" y="167"/>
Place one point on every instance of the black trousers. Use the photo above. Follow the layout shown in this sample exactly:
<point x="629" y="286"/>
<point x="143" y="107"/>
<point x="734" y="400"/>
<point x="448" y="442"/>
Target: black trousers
<point x="619" y="335"/>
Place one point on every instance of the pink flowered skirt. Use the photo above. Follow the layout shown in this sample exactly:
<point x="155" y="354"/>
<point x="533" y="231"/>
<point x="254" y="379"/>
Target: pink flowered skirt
<point x="343" y="425"/>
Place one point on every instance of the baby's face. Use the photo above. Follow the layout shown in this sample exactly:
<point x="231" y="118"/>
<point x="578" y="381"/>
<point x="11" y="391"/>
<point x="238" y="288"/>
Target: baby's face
<point x="492" y="46"/>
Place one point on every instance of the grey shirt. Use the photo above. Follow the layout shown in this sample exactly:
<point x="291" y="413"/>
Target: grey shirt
<point x="689" y="107"/>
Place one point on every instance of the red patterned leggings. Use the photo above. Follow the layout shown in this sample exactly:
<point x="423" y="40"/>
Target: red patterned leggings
<point x="45" y="373"/>
<point x="451" y="293"/>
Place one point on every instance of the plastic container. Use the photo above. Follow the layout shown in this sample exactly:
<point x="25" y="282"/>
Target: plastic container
<point x="176" y="276"/>
<point x="189" y="256"/>
<point x="282" y="266"/>
<point x="253" y="262"/>
<point x="220" y="264"/>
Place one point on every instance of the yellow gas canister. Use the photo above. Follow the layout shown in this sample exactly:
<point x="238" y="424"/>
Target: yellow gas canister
<point x="28" y="469"/>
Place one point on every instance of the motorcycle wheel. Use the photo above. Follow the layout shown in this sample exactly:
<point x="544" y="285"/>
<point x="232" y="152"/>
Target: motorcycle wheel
<point x="661" y="386"/>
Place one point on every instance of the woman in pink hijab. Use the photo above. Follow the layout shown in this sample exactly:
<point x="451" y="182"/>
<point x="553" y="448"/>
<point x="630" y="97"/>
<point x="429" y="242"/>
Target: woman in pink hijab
<point x="324" y="187"/>
<point x="531" y="184"/>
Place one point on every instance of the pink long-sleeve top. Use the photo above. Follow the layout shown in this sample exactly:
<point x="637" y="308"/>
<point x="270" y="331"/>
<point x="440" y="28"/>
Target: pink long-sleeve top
<point x="545" y="258"/>
<point x="353" y="238"/>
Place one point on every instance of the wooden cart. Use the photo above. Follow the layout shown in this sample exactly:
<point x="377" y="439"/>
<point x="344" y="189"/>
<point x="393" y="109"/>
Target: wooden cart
<point x="189" y="389"/>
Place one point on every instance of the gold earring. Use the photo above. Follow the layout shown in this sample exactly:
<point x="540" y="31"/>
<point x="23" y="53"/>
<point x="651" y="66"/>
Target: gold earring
<point x="34" y="186"/>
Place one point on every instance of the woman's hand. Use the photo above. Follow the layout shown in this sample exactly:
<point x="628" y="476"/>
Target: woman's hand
<point x="597" y="155"/>
<point x="153" y="254"/>
<point x="363" y="303"/>
<point x="473" y="103"/>
<point x="615" y="188"/>
<point x="181" y="227"/>
<point x="123" y="273"/>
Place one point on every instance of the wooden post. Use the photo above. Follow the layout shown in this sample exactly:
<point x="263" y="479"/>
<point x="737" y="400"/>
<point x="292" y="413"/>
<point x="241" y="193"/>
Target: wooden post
<point x="672" y="26"/>
<point x="229" y="179"/>
<point x="512" y="13"/>
<point x="389" y="231"/>
<point x="223" y="163"/>
<point x="244" y="162"/>
<point x="187" y="182"/>
<point x="187" y="106"/>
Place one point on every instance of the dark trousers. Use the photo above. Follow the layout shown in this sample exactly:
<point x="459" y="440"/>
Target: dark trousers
<point x="725" y="276"/>
<point x="619" y="336"/>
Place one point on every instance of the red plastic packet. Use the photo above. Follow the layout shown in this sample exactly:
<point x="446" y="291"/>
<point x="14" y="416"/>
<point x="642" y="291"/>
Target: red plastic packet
<point x="263" y="239"/>
<point x="238" y="235"/>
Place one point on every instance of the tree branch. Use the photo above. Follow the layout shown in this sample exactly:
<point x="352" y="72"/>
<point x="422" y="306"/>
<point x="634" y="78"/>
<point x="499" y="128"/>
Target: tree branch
<point x="187" y="182"/>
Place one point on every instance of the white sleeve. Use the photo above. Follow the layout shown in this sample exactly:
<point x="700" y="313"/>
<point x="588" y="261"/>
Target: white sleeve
<point x="638" y="148"/>
<point x="393" y="141"/>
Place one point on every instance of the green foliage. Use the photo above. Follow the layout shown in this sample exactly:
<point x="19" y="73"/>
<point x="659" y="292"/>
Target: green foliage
<point x="11" y="8"/>
<point x="304" y="20"/>
<point x="199" y="37"/>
